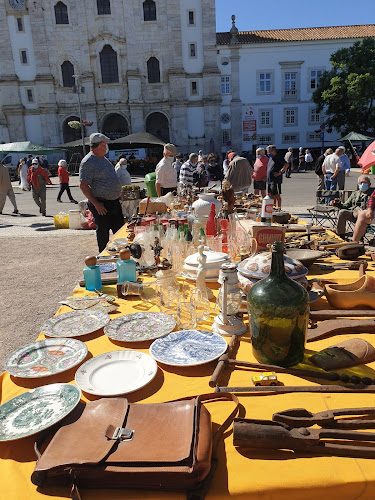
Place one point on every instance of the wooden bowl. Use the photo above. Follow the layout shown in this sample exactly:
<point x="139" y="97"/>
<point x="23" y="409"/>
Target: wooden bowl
<point x="305" y="256"/>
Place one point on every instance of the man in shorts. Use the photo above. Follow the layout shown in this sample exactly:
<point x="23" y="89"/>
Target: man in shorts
<point x="364" y="218"/>
<point x="275" y="169"/>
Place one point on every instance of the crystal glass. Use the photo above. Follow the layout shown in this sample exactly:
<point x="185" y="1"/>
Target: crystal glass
<point x="202" y="305"/>
<point x="215" y="242"/>
<point x="150" y="293"/>
<point x="186" y="315"/>
<point x="168" y="301"/>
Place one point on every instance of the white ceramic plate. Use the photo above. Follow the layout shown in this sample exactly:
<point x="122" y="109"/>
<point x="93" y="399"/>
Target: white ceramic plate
<point x="115" y="373"/>
<point x="188" y="348"/>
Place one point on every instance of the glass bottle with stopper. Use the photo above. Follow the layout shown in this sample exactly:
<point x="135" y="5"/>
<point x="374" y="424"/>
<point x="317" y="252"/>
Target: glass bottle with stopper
<point x="229" y="300"/>
<point x="126" y="267"/>
<point x="91" y="274"/>
<point x="279" y="315"/>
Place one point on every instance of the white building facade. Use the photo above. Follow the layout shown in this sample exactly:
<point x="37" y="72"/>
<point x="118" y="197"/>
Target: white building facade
<point x="141" y="65"/>
<point x="267" y="81"/>
<point x="159" y="66"/>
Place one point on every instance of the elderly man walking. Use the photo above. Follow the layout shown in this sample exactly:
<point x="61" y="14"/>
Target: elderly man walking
<point x="187" y="171"/>
<point x="331" y="167"/>
<point x="239" y="172"/>
<point x="166" y="175"/>
<point x="37" y="178"/>
<point x="101" y="186"/>
<point x="6" y="189"/>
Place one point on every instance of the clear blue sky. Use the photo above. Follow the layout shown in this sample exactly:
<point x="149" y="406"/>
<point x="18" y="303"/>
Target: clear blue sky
<point x="277" y="14"/>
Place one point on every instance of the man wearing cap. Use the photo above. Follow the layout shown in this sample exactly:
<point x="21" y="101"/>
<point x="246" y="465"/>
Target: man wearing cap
<point x="37" y="178"/>
<point x="166" y="175"/>
<point x="239" y="172"/>
<point x="101" y="186"/>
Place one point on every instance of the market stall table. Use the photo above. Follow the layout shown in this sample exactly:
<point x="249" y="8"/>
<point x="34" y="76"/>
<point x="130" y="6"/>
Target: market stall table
<point x="241" y="474"/>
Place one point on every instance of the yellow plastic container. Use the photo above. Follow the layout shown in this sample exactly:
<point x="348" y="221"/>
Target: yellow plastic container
<point x="61" y="221"/>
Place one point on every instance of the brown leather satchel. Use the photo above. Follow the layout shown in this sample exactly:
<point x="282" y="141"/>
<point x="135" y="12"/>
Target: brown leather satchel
<point x="115" y="444"/>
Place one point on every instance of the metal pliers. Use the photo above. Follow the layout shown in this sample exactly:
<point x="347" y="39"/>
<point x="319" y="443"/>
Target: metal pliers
<point x="299" y="417"/>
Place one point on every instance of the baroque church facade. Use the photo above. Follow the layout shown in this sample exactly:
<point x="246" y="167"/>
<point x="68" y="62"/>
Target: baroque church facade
<point x="160" y="66"/>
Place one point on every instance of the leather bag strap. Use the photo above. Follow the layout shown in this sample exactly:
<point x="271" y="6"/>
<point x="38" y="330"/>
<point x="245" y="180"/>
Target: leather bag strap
<point x="217" y="396"/>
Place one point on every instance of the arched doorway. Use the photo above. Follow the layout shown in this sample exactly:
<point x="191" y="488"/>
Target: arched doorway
<point x="115" y="126"/>
<point x="157" y="124"/>
<point x="69" y="133"/>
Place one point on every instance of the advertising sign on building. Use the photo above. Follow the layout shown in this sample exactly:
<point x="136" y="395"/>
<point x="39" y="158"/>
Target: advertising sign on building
<point x="249" y="124"/>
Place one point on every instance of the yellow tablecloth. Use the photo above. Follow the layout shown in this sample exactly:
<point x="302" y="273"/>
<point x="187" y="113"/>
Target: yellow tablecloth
<point x="250" y="474"/>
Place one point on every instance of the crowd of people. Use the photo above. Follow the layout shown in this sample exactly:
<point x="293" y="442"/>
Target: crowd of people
<point x="101" y="183"/>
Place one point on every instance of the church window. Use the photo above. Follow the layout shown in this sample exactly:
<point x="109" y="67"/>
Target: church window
<point x="67" y="71"/>
<point x="61" y="13"/>
<point x="104" y="7"/>
<point x="194" y="88"/>
<point x="20" y="26"/>
<point x="192" y="49"/>
<point x="108" y="64"/>
<point x="149" y="10"/>
<point x="153" y="70"/>
<point x="23" y="56"/>
<point x="191" y="18"/>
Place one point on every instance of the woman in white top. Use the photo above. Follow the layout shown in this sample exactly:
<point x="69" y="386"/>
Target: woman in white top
<point x="123" y="175"/>
<point x="22" y="174"/>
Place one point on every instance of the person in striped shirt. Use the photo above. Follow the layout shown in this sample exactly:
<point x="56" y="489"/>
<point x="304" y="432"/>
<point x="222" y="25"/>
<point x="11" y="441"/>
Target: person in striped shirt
<point x="187" y="171"/>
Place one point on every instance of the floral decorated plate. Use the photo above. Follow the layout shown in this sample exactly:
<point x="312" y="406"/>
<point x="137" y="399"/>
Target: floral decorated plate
<point x="75" y="323"/>
<point x="188" y="348"/>
<point x="115" y="373"/>
<point x="139" y="327"/>
<point x="46" y="357"/>
<point x="259" y="266"/>
<point x="37" y="410"/>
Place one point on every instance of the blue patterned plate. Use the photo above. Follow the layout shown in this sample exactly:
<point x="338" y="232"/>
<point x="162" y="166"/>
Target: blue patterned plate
<point x="36" y="410"/>
<point x="107" y="267"/>
<point x="188" y="348"/>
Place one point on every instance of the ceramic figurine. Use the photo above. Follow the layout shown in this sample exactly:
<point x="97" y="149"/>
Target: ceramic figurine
<point x="157" y="248"/>
<point x="201" y="273"/>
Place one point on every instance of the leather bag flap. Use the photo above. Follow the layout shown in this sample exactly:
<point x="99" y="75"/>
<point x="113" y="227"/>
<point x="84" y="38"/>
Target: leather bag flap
<point x="84" y="440"/>
<point x="163" y="433"/>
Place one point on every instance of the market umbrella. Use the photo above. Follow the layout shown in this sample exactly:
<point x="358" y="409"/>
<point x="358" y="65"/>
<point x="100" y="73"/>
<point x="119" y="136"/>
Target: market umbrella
<point x="28" y="147"/>
<point x="356" y="137"/>
<point x="74" y="144"/>
<point x="141" y="138"/>
<point x="367" y="160"/>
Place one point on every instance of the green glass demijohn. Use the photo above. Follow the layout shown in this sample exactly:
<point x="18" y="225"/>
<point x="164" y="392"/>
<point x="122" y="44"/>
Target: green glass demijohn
<point x="279" y="313"/>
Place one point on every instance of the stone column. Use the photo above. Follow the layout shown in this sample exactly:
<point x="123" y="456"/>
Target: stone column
<point x="236" y="104"/>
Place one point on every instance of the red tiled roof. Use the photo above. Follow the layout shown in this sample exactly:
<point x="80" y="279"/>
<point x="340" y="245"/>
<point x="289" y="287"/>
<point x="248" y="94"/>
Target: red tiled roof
<point x="299" y="34"/>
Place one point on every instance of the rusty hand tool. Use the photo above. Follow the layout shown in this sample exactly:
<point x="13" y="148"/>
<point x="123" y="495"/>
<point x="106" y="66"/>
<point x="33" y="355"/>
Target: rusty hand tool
<point x="224" y="359"/>
<point x="339" y="313"/>
<point x="332" y="327"/>
<point x="266" y="434"/>
<point x="299" y="417"/>
<point x="285" y="389"/>
<point x="298" y="372"/>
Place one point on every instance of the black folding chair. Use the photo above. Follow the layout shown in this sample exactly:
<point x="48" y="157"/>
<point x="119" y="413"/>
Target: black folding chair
<point x="321" y="214"/>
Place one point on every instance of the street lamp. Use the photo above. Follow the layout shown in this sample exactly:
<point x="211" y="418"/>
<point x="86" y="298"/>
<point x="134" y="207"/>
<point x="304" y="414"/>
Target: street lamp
<point x="80" y="90"/>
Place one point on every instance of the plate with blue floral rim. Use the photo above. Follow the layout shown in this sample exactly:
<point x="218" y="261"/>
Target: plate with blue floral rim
<point x="188" y="348"/>
<point x="45" y="358"/>
<point x="140" y="326"/>
<point x="75" y="323"/>
<point x="37" y="410"/>
<point x="115" y="373"/>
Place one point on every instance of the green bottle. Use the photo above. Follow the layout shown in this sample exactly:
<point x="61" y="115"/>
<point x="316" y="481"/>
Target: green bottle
<point x="202" y="236"/>
<point x="279" y="314"/>
<point x="180" y="230"/>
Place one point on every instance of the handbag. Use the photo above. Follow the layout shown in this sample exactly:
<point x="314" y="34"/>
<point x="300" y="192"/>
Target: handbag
<point x="115" y="444"/>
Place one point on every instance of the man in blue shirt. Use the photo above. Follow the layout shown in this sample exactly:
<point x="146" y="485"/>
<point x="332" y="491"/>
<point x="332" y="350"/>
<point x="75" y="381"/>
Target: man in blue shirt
<point x="101" y="186"/>
<point x="344" y="169"/>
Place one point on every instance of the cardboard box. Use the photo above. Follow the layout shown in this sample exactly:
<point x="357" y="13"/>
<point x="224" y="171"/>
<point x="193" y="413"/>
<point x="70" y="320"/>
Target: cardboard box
<point x="266" y="235"/>
<point x="153" y="206"/>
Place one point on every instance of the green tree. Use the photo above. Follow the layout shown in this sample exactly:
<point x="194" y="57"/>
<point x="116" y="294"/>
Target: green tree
<point x="346" y="93"/>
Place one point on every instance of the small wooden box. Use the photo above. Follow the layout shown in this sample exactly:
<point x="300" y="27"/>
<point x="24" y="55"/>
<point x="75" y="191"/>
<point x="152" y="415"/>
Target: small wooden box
<point x="265" y="235"/>
<point x="153" y="206"/>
